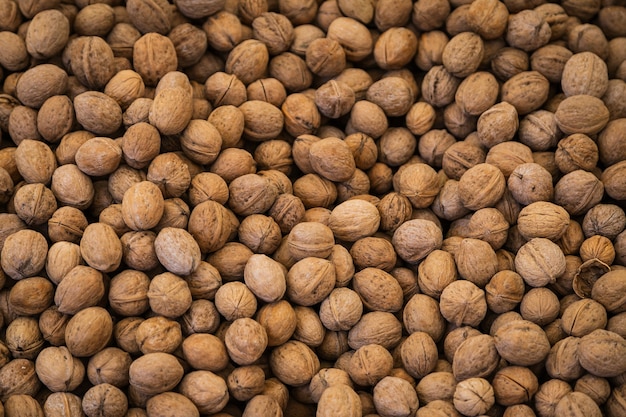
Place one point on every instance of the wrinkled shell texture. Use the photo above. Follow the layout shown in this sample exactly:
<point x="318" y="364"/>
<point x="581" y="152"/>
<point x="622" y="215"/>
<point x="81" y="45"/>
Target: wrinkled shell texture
<point x="241" y="208"/>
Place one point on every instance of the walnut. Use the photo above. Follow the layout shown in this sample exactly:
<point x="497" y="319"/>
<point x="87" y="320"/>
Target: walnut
<point x="474" y="396"/>
<point x="88" y="331"/>
<point x="514" y="385"/>
<point x="514" y="338"/>
<point x="154" y="373"/>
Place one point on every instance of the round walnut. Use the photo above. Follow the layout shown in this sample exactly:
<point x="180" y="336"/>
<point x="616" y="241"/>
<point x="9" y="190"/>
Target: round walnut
<point x="58" y="370"/>
<point x="514" y="385"/>
<point x="412" y="250"/>
<point x="475" y="357"/>
<point x="463" y="53"/>
<point x="481" y="186"/>
<point x="522" y="343"/>
<point x="476" y="261"/>
<point x="578" y="191"/>
<point x="169" y="295"/>
<point x="310" y="280"/>
<point x="339" y="400"/>
<point x="595" y="360"/>
<point x="529" y="183"/>
<point x="18" y="263"/>
<point x="473" y="396"/>
<point x="353" y="220"/>
<point x="543" y="219"/>
<point x="110" y="365"/>
<point x="585" y="73"/>
<point x="418" y="354"/>
<point x="419" y="183"/>
<point x="308" y="239"/>
<point x="562" y="361"/>
<point x="462" y="302"/>
<point x="31" y="296"/>
<point x="540" y="262"/>
<point x="581" y="113"/>
<point x="577" y="403"/>
<point x="265" y="277"/>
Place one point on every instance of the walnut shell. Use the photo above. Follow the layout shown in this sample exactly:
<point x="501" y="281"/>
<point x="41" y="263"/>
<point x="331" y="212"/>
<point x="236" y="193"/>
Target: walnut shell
<point x="522" y="342"/>
<point x="418" y="353"/>
<point x="206" y="390"/>
<point x="540" y="262"/>
<point x="543" y="219"/>
<point x="31" y="296"/>
<point x="18" y="263"/>
<point x="339" y="400"/>
<point x="353" y="220"/>
<point x="154" y="373"/>
<point x="245" y="341"/>
<point x="310" y="280"/>
<point x="581" y="113"/>
<point x="80" y="288"/>
<point x="106" y="399"/>
<point x="577" y="404"/>
<point x="89" y="331"/>
<point x="101" y="248"/>
<point x="169" y="295"/>
<point x="597" y="358"/>
<point x="265" y="277"/>
<point x="58" y="370"/>
<point x="514" y="385"/>
<point x="413" y="250"/>
<point x="473" y="396"/>
<point x="475" y="357"/>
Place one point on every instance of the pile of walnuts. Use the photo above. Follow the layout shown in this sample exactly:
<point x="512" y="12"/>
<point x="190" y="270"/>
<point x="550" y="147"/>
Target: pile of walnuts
<point x="258" y="208"/>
